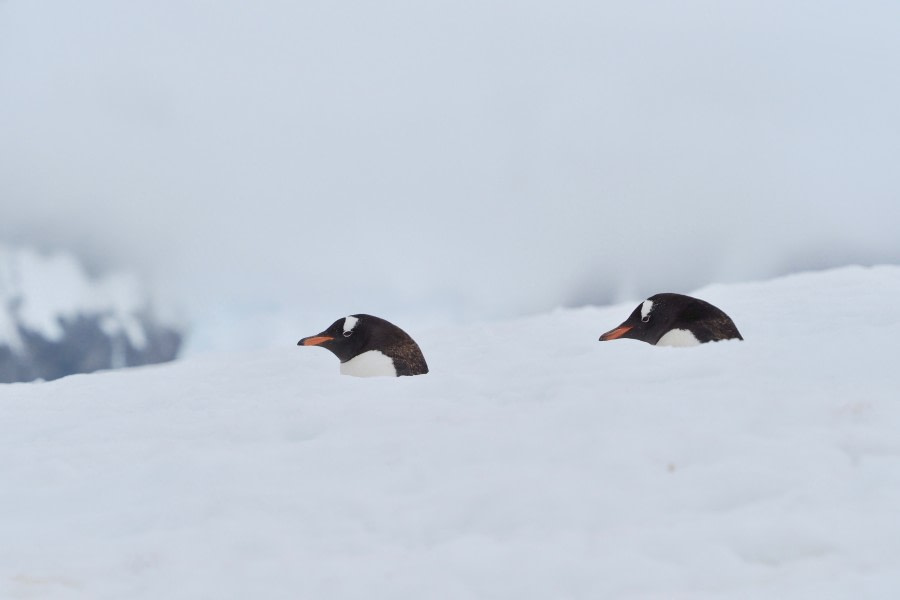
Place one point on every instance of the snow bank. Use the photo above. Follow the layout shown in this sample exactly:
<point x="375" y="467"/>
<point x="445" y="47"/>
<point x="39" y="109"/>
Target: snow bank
<point x="532" y="462"/>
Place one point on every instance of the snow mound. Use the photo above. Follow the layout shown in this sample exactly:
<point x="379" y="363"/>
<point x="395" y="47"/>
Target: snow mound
<point x="532" y="462"/>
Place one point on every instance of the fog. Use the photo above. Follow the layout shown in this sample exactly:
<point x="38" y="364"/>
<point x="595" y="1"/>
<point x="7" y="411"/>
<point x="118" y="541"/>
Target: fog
<point x="449" y="161"/>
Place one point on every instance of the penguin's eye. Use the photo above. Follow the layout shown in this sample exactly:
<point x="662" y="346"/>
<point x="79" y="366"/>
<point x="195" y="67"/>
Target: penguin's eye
<point x="348" y="333"/>
<point x="645" y="318"/>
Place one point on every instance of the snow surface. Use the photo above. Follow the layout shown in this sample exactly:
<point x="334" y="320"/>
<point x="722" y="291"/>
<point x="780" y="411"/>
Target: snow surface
<point x="532" y="462"/>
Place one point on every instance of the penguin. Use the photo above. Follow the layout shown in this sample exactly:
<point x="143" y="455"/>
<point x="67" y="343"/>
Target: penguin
<point x="370" y="347"/>
<point x="675" y="320"/>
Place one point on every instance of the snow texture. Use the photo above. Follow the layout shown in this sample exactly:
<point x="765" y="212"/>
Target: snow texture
<point x="533" y="462"/>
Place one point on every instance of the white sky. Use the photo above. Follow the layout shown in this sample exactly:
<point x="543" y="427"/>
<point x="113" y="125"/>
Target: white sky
<point x="452" y="159"/>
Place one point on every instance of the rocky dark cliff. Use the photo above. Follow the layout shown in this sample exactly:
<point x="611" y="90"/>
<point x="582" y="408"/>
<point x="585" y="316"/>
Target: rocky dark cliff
<point x="83" y="348"/>
<point x="55" y="320"/>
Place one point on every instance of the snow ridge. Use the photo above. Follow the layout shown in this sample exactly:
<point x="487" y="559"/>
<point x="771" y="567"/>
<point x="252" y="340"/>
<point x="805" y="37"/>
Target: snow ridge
<point x="533" y="462"/>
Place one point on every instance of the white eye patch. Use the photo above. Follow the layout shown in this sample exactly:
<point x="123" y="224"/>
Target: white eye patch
<point x="646" y="307"/>
<point x="350" y="323"/>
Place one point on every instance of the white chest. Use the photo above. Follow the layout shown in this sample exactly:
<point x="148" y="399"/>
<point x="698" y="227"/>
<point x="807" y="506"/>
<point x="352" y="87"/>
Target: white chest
<point x="678" y="337"/>
<point x="369" y="364"/>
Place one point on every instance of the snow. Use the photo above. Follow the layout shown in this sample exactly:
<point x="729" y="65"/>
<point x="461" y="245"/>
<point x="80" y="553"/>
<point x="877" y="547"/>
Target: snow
<point x="38" y="290"/>
<point x="532" y="462"/>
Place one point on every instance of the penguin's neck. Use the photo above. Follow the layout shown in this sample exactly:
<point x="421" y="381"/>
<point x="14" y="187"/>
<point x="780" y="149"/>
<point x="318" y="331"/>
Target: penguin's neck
<point x="371" y="363"/>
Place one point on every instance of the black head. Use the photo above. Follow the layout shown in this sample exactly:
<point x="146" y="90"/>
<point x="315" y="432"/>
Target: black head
<point x="659" y="314"/>
<point x="345" y="338"/>
<point x="351" y="336"/>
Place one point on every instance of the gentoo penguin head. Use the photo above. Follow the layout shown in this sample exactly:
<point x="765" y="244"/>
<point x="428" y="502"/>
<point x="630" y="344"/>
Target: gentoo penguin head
<point x="368" y="346"/>
<point x="675" y="320"/>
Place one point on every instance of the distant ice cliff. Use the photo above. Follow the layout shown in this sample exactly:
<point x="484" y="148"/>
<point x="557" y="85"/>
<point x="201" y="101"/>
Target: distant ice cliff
<point x="56" y="320"/>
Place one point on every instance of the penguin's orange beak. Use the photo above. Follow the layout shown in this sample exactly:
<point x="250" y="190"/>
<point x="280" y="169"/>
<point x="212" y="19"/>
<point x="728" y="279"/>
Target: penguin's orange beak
<point x="616" y="333"/>
<point x="314" y="340"/>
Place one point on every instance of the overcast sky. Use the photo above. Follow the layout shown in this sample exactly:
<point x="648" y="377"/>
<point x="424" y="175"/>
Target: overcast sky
<point x="455" y="159"/>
